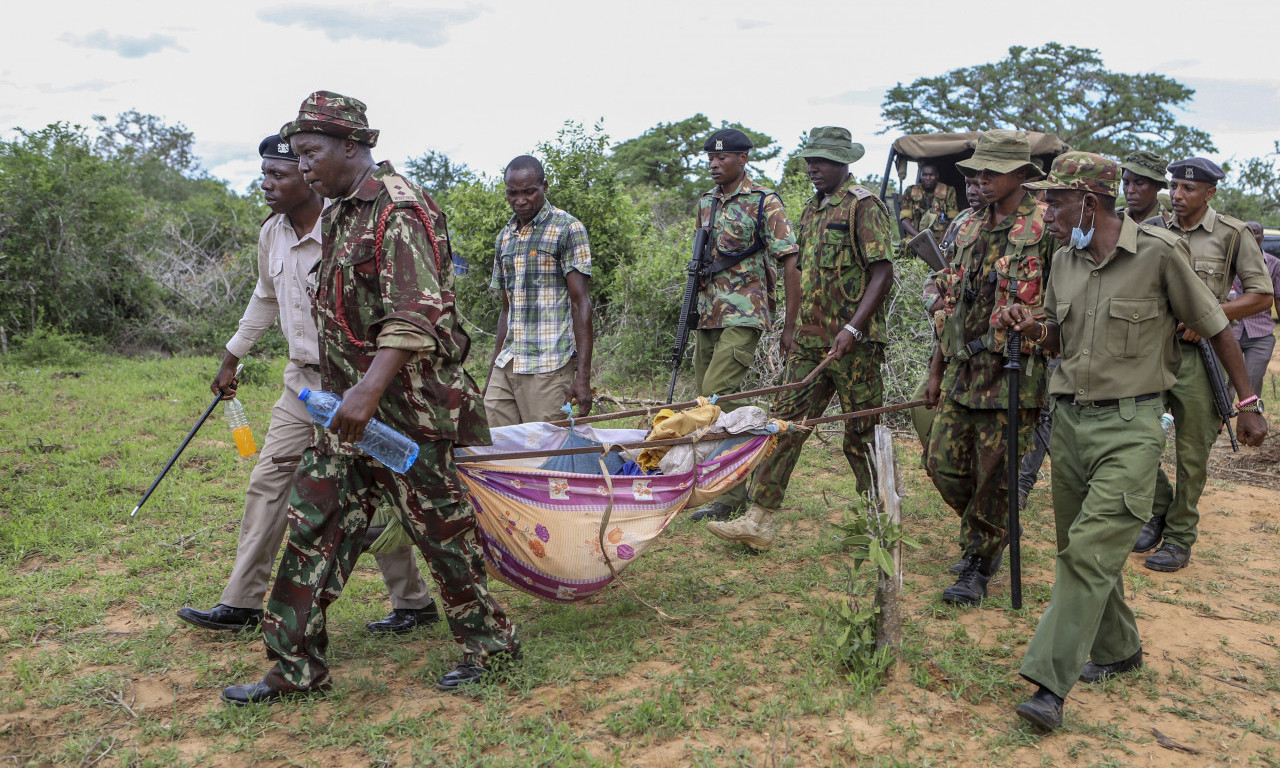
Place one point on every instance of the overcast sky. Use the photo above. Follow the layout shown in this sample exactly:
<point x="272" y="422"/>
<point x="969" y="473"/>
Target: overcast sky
<point x="484" y="82"/>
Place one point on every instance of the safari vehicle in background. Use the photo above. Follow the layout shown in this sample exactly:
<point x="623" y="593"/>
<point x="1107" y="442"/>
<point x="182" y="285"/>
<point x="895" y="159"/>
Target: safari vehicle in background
<point x="944" y="150"/>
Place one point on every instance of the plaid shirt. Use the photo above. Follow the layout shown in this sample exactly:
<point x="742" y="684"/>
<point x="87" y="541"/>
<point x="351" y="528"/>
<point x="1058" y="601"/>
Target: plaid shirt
<point x="529" y="267"/>
<point x="1261" y="324"/>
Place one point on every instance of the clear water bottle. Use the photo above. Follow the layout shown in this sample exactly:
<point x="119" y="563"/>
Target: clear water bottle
<point x="240" y="431"/>
<point x="1166" y="423"/>
<point x="380" y="441"/>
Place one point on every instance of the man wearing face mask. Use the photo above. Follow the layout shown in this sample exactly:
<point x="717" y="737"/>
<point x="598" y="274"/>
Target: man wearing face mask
<point x="752" y="235"/>
<point x="1000" y="257"/>
<point x="846" y="242"/>
<point x="1111" y="305"/>
<point x="1143" y="178"/>
<point x="1220" y="248"/>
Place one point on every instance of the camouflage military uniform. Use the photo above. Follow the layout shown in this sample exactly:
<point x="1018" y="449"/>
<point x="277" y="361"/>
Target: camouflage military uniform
<point x="737" y="304"/>
<point x="966" y="456"/>
<point x="941" y="202"/>
<point x="838" y="239"/>
<point x="1164" y="215"/>
<point x="369" y="298"/>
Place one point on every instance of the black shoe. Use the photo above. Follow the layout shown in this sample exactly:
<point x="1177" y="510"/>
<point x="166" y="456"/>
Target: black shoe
<point x="1022" y="499"/>
<point x="465" y="673"/>
<point x="971" y="586"/>
<point x="403" y="620"/>
<point x="1043" y="709"/>
<point x="1169" y="558"/>
<point x="222" y="617"/>
<point x="1150" y="535"/>
<point x="1092" y="673"/>
<point x="958" y="568"/>
<point x="714" y="511"/>
<point x="261" y="693"/>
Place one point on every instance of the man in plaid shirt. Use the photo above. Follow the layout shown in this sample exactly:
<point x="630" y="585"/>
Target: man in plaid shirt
<point x="541" y="266"/>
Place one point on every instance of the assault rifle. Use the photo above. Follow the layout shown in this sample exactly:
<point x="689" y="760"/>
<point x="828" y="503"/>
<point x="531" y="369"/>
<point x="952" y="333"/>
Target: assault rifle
<point x="926" y="247"/>
<point x="702" y="247"/>
<point x="1221" y="400"/>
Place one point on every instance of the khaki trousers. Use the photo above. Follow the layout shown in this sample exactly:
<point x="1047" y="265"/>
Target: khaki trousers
<point x="266" y="507"/>
<point x="519" y="398"/>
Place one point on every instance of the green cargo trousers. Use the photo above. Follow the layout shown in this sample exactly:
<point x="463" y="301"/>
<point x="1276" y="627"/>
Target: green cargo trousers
<point x="968" y="463"/>
<point x="1195" y="425"/>
<point x="333" y="499"/>
<point x="856" y="379"/>
<point x="1104" y="461"/>
<point x="721" y="359"/>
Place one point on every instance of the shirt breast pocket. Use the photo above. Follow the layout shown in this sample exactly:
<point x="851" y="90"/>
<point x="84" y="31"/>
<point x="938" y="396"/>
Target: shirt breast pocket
<point x="1132" y="326"/>
<point x="734" y="236"/>
<point x="363" y="261"/>
<point x="1062" y="310"/>
<point x="1212" y="271"/>
<point x="835" y="246"/>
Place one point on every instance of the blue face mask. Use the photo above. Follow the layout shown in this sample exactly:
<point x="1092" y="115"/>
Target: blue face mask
<point x="1080" y="239"/>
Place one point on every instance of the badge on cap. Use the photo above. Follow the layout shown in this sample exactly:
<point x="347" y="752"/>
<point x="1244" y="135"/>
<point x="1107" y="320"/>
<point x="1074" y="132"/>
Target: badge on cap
<point x="282" y="148"/>
<point x="1190" y="174"/>
<point x="719" y="144"/>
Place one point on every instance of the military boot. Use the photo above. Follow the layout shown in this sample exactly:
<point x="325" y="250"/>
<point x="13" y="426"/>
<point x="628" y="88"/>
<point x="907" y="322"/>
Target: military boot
<point x="714" y="511"/>
<point x="971" y="586"/>
<point x="755" y="528"/>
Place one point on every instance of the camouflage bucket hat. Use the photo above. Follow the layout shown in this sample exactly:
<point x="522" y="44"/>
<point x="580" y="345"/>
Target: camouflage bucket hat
<point x="833" y="143"/>
<point x="1001" y="151"/>
<point x="334" y="115"/>
<point x="1146" y="164"/>
<point x="1082" y="172"/>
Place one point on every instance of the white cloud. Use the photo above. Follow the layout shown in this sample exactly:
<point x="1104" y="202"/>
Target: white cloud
<point x="126" y="46"/>
<point x="421" y="27"/>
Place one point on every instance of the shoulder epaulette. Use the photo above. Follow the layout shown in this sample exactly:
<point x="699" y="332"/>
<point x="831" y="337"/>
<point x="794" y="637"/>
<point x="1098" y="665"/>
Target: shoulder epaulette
<point x="399" y="188"/>
<point x="1159" y="232"/>
<point x="270" y="216"/>
<point x="1232" y="221"/>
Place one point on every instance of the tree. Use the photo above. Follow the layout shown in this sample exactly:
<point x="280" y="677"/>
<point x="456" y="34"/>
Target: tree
<point x="669" y="156"/>
<point x="437" y="173"/>
<point x="1056" y="89"/>
<point x="1253" y="193"/>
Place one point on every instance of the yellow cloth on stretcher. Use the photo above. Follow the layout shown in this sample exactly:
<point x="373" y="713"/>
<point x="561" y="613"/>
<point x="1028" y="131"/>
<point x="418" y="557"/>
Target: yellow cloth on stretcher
<point x="668" y="424"/>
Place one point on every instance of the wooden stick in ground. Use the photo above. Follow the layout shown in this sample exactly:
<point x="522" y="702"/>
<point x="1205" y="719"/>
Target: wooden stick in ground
<point x="716" y="435"/>
<point x="889" y="586"/>
<point x="691" y="403"/>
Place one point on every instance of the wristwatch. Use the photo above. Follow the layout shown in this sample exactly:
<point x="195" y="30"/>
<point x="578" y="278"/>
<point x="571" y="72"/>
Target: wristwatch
<point x="857" y="334"/>
<point x="1252" y="405"/>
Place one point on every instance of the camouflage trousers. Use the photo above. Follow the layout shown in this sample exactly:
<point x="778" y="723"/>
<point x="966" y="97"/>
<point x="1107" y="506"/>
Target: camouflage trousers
<point x="722" y="357"/>
<point x="967" y="462"/>
<point x="333" y="499"/>
<point x="856" y="379"/>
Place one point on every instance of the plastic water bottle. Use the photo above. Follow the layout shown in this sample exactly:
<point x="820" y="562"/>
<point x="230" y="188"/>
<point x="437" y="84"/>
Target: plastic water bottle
<point x="240" y="431"/>
<point x="380" y="441"/>
<point x="1166" y="423"/>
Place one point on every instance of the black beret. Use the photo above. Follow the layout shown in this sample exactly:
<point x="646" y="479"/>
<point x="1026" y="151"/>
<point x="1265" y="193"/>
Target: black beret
<point x="728" y="140"/>
<point x="275" y="147"/>
<point x="1196" y="169"/>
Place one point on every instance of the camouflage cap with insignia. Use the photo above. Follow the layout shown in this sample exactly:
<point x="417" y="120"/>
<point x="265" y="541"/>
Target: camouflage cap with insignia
<point x="1082" y="172"/>
<point x="1196" y="169"/>
<point x="728" y="140"/>
<point x="832" y="143"/>
<point x="1001" y="151"/>
<point x="334" y="115"/>
<point x="1146" y="164"/>
<point x="276" y="147"/>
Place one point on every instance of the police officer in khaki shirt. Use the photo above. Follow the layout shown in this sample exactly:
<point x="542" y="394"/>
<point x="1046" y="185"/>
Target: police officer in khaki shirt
<point x="1110" y="311"/>
<point x="1220" y="247"/>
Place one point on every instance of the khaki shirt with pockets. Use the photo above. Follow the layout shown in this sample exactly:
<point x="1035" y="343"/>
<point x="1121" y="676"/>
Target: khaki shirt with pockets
<point x="1117" y="318"/>
<point x="1220" y="246"/>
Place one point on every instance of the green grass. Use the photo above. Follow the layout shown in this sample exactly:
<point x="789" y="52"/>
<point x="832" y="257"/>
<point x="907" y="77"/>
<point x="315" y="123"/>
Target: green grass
<point x="98" y="670"/>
